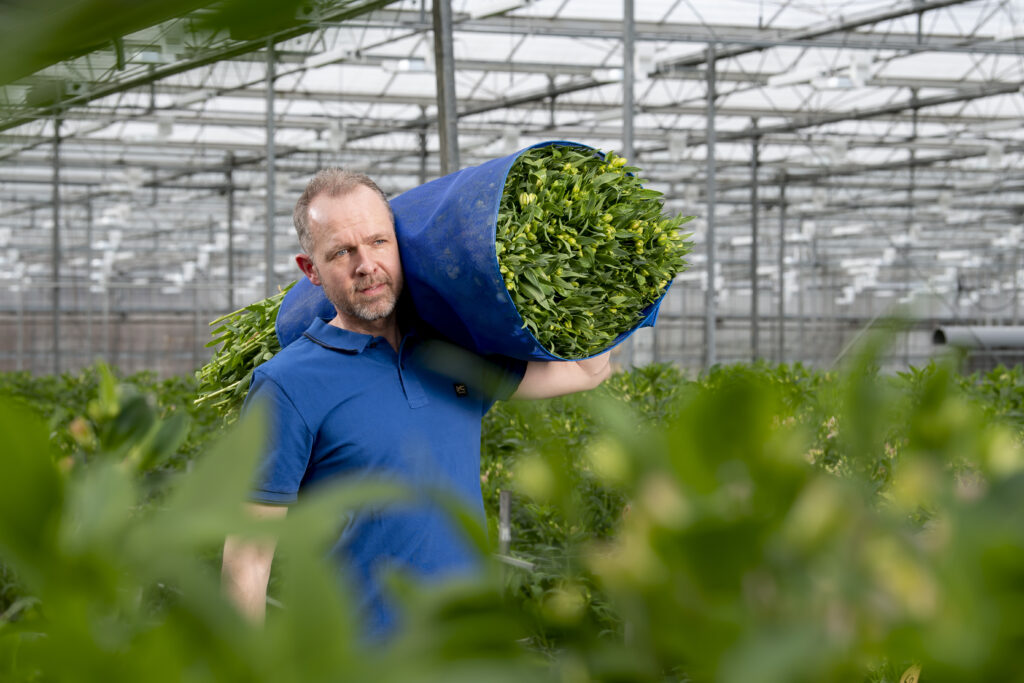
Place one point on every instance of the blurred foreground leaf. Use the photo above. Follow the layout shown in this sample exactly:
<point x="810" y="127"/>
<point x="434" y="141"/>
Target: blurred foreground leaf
<point x="730" y="528"/>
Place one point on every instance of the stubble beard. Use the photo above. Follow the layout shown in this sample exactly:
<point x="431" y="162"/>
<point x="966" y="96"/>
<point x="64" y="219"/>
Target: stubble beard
<point x="368" y="310"/>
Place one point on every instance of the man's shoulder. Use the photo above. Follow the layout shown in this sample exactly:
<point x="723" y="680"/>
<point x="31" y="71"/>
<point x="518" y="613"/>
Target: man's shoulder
<point x="290" y="362"/>
<point x="288" y="355"/>
<point x="296" y="374"/>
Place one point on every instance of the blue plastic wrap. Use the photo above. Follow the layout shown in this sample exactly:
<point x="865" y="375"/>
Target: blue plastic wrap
<point x="446" y="234"/>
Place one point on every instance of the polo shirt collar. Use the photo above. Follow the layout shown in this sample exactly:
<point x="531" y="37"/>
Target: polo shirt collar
<point x="335" y="338"/>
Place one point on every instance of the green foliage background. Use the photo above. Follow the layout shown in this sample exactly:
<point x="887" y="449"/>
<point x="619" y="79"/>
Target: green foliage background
<point x="765" y="523"/>
<point x="754" y="524"/>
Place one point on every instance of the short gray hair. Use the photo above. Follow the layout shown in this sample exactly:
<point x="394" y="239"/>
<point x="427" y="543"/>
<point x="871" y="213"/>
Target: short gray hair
<point x="333" y="182"/>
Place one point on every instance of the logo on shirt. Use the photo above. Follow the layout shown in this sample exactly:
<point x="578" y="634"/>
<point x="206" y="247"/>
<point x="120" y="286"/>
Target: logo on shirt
<point x="461" y="390"/>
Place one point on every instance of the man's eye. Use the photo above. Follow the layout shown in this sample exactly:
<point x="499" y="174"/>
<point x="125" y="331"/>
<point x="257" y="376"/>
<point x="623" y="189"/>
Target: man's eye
<point x="380" y="241"/>
<point x="341" y="252"/>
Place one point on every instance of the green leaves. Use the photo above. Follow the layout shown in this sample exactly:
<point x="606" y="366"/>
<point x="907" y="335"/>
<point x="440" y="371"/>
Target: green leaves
<point x="248" y="339"/>
<point x="576" y="233"/>
<point x="728" y="528"/>
<point x="30" y="488"/>
<point x="733" y="529"/>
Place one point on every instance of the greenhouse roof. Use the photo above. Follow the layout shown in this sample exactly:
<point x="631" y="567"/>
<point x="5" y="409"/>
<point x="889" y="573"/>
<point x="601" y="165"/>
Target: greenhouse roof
<point x="889" y="132"/>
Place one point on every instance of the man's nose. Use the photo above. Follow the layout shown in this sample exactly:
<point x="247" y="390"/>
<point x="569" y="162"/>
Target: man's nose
<point x="366" y="265"/>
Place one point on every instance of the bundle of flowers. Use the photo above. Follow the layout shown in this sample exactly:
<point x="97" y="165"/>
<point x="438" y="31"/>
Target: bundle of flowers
<point x="584" y="248"/>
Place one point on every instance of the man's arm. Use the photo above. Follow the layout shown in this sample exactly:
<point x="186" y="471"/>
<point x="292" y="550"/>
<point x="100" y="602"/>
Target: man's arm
<point x="556" y="378"/>
<point x="246" y="567"/>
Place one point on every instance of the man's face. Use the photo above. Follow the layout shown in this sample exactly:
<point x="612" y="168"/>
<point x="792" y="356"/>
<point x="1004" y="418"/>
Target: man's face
<point x="355" y="255"/>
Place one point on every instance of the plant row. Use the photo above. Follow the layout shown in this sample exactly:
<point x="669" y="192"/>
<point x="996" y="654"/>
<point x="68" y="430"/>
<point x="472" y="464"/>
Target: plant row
<point x="755" y="523"/>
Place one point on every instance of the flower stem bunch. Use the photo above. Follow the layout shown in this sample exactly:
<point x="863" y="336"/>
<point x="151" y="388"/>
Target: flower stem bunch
<point x="248" y="339"/>
<point x="583" y="247"/>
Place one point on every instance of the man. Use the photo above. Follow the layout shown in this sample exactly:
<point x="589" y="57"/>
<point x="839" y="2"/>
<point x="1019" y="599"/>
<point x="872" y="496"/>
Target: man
<point x="372" y="394"/>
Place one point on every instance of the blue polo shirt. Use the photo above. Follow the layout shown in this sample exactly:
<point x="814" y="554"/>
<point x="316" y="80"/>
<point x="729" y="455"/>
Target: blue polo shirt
<point x="344" y="404"/>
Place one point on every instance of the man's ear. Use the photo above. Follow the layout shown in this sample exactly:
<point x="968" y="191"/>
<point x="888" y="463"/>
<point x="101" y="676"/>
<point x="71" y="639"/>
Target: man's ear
<point x="305" y="264"/>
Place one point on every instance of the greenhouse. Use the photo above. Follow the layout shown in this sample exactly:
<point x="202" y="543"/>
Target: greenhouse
<point x="845" y="161"/>
<point x="815" y="212"/>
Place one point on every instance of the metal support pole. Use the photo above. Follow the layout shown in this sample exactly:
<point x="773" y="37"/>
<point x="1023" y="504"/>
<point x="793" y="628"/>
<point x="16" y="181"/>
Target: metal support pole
<point x="781" y="341"/>
<point x="628" y="151"/>
<point x="230" y="248"/>
<point x="910" y="225"/>
<point x="801" y="289"/>
<point x="88" y="262"/>
<point x="55" y="247"/>
<point x="1016" y="285"/>
<point x="108" y="352"/>
<point x="684" y="299"/>
<point x="1006" y="262"/>
<point x="444" y="61"/>
<point x="504" y="522"/>
<point x="268" y="246"/>
<point x="628" y="64"/>
<point x="837" y="336"/>
<point x="423" y="156"/>
<point x="754" y="312"/>
<point x="21" y="327"/>
<point x="823" y="280"/>
<point x="836" y="341"/>
<point x="552" y="102"/>
<point x="197" y="333"/>
<point x="908" y="312"/>
<point x="710" y="294"/>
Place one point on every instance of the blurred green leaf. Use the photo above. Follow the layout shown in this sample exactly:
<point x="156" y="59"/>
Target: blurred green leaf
<point x="725" y="528"/>
<point x="31" y="491"/>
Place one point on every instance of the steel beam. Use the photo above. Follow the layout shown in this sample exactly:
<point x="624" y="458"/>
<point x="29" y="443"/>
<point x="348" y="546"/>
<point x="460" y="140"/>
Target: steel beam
<point x="590" y="29"/>
<point x="385" y="125"/>
<point x="422" y="171"/>
<point x="801" y="121"/>
<point x="88" y="260"/>
<point x="801" y="289"/>
<point x="912" y="104"/>
<point x="710" y="296"/>
<point x="229" y="252"/>
<point x="1015" y="320"/>
<point x="444" y="69"/>
<point x="504" y="521"/>
<point x="55" y="248"/>
<point x="268" y="244"/>
<point x="844" y="25"/>
<point x="780" y="353"/>
<point x="754" y="210"/>
<point x="832" y="36"/>
<point x="254" y="90"/>
<point x="20" y="342"/>
<point x="628" y="101"/>
<point x="628" y="65"/>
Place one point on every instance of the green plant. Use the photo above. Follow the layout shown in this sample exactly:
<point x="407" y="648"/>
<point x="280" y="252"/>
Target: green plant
<point x="114" y="587"/>
<point x="68" y="404"/>
<point x="583" y="247"/>
<point x="247" y="339"/>
<point x="676" y="529"/>
<point x="740" y="556"/>
<point x="1001" y="391"/>
<point x="581" y="259"/>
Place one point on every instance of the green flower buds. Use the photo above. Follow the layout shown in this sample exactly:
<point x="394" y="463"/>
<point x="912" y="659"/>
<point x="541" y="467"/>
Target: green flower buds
<point x="598" y="250"/>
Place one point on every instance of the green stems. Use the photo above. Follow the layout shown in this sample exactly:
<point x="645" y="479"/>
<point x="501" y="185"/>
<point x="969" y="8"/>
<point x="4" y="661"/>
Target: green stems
<point x="247" y="339"/>
<point x="583" y="247"/>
